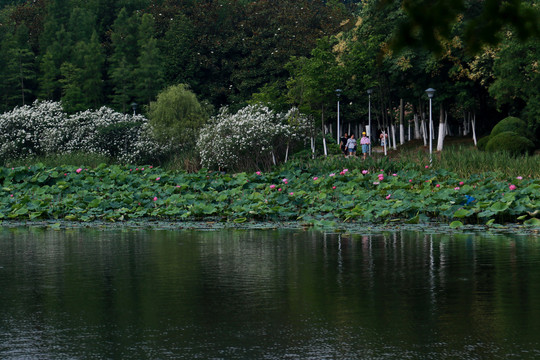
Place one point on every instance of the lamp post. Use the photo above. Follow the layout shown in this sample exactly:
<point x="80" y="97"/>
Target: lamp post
<point x="338" y="93"/>
<point x="134" y="107"/>
<point x="430" y="92"/>
<point x="369" y="91"/>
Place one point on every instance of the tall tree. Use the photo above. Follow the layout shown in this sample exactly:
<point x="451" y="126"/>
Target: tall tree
<point x="149" y="71"/>
<point x="123" y="59"/>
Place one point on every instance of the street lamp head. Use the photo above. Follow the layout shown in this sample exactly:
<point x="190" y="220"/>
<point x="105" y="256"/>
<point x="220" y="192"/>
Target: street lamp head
<point x="338" y="92"/>
<point x="134" y="106"/>
<point x="430" y="92"/>
<point x="370" y="91"/>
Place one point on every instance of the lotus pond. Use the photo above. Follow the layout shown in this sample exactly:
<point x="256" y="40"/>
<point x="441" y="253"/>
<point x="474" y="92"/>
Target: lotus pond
<point x="119" y="193"/>
<point x="119" y="293"/>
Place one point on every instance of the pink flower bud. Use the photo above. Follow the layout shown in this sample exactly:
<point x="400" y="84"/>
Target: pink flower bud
<point x="512" y="187"/>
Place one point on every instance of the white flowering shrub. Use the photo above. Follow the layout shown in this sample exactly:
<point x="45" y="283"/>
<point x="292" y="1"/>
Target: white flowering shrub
<point x="44" y="128"/>
<point x="250" y="138"/>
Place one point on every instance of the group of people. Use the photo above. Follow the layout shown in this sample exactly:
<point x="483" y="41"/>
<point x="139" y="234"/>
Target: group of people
<point x="348" y="144"/>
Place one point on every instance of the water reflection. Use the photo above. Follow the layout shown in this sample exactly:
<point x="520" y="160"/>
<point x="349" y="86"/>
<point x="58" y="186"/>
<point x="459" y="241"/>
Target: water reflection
<point x="246" y="294"/>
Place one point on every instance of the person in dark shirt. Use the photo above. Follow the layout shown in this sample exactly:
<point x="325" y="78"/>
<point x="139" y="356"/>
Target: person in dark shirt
<point x="343" y="143"/>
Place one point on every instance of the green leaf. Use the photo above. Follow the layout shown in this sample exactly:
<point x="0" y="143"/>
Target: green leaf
<point x="498" y="207"/>
<point x="534" y="222"/>
<point x="456" y="224"/>
<point x="414" y="220"/>
<point x="461" y="213"/>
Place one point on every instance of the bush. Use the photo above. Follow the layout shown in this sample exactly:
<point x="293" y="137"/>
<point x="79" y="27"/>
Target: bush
<point x="512" y="124"/>
<point x="45" y="129"/>
<point x="177" y="116"/>
<point x="510" y="142"/>
<point x="251" y="138"/>
<point x="482" y="142"/>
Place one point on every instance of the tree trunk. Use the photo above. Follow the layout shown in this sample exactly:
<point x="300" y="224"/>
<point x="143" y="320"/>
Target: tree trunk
<point x="416" y="127"/>
<point x="324" y="133"/>
<point x="442" y="129"/>
<point x="401" y="126"/>
<point x="394" y="143"/>
<point x="473" y="123"/>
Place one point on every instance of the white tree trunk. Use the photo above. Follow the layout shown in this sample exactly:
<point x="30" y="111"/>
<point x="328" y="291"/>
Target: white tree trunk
<point x="424" y="130"/>
<point x="416" y="127"/>
<point x="324" y="146"/>
<point x="394" y="145"/>
<point x="442" y="130"/>
<point x="474" y="129"/>
<point x="313" y="147"/>
<point x="401" y="127"/>
<point x="287" y="153"/>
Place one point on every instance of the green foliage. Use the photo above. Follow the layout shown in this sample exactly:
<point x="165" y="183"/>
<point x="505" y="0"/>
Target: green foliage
<point x="510" y="142"/>
<point x="116" y="193"/>
<point x="429" y="23"/>
<point x="123" y="59"/>
<point x="149" y="71"/>
<point x="510" y="123"/>
<point x="176" y="116"/>
<point x="482" y="142"/>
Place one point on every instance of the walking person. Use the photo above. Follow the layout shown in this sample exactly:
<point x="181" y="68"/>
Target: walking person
<point x="365" y="142"/>
<point x="351" y="146"/>
<point x="343" y="143"/>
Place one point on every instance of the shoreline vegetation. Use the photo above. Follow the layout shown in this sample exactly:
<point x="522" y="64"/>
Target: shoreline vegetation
<point x="331" y="192"/>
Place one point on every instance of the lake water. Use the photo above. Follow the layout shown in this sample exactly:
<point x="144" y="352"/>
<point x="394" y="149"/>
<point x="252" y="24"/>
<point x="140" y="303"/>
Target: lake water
<point x="267" y="294"/>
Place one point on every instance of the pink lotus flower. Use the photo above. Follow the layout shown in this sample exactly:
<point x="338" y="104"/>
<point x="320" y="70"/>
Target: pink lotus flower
<point x="78" y="170"/>
<point x="315" y="178"/>
<point x="394" y="174"/>
<point x="364" y="172"/>
<point x="11" y="195"/>
<point x="376" y="183"/>
<point x="461" y="183"/>
<point x="142" y="169"/>
<point x="333" y="187"/>
<point x="410" y="180"/>
<point x="332" y="174"/>
<point x="512" y="187"/>
<point x="137" y="169"/>
<point x="427" y="166"/>
<point x="157" y="179"/>
<point x="438" y="185"/>
<point x="65" y="174"/>
<point x="291" y="193"/>
<point x="520" y="178"/>
<point x="456" y="188"/>
<point x="342" y="173"/>
<point x="388" y="197"/>
<point x="155" y="198"/>
<point x="279" y="189"/>
<point x="381" y="177"/>
<point x="272" y="186"/>
<point x="151" y="166"/>
<point x="285" y="181"/>
<point x="258" y="173"/>
<point x="345" y="170"/>
<point x="177" y="186"/>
